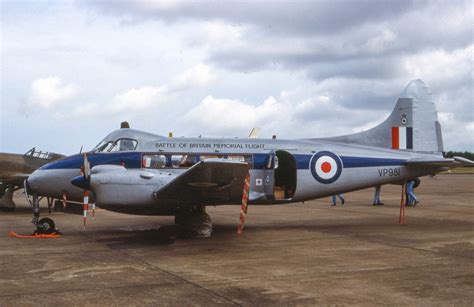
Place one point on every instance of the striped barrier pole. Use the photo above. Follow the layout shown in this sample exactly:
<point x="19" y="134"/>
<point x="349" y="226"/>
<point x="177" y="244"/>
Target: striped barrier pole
<point x="401" y="218"/>
<point x="244" y="206"/>
<point x="86" y="207"/>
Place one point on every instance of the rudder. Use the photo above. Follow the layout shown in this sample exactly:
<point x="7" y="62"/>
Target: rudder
<point x="412" y="125"/>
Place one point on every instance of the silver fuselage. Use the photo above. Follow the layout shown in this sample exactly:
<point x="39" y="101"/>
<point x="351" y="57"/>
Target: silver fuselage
<point x="358" y="167"/>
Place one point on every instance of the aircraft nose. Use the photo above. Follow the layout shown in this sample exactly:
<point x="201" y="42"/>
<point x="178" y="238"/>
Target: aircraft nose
<point x="33" y="181"/>
<point x="81" y="182"/>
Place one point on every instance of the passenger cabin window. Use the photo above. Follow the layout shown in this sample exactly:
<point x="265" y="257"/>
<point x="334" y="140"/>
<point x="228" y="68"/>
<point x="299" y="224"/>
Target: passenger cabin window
<point x="240" y="158"/>
<point x="184" y="161"/>
<point x="204" y="157"/>
<point x="154" y="161"/>
<point x="246" y="159"/>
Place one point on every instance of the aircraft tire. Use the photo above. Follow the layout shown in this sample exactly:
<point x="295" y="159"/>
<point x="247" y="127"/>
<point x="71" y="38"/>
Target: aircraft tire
<point x="417" y="182"/>
<point x="46" y="226"/>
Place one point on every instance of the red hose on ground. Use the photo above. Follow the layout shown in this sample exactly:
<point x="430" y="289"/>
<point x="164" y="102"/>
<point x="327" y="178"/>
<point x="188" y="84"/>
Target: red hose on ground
<point x="53" y="235"/>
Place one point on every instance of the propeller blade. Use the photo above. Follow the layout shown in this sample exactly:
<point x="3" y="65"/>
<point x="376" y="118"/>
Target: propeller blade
<point x="83" y="181"/>
<point x="64" y="200"/>
<point x="87" y="167"/>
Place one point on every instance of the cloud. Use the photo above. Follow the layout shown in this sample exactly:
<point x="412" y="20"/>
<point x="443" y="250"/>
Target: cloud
<point x="280" y="16"/>
<point x="218" y="116"/>
<point x="297" y="113"/>
<point x="139" y="99"/>
<point x="50" y="92"/>
<point x="198" y="76"/>
<point x="296" y="69"/>
<point x="327" y="39"/>
<point x="84" y="111"/>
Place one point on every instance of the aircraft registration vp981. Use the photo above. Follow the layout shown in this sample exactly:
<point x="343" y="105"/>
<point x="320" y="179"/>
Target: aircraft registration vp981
<point x="140" y="173"/>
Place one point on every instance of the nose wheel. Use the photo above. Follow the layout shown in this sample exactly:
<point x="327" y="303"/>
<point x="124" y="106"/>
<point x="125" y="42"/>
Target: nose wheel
<point x="44" y="225"/>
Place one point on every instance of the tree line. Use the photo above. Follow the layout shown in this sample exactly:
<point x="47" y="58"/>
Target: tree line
<point x="465" y="154"/>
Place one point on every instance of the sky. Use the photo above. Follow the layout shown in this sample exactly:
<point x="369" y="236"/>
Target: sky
<point x="71" y="71"/>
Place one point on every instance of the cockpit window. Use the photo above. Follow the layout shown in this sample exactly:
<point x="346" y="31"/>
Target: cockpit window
<point x="119" y="145"/>
<point x="103" y="147"/>
<point x="125" y="144"/>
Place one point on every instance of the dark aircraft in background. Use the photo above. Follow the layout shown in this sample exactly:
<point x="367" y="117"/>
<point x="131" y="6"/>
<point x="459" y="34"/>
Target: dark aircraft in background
<point x="15" y="168"/>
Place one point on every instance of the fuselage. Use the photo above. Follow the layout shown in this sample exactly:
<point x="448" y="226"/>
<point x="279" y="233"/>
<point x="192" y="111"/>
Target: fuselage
<point x="282" y="171"/>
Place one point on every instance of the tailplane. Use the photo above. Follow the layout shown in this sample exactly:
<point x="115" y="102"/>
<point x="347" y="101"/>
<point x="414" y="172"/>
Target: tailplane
<point x="413" y="124"/>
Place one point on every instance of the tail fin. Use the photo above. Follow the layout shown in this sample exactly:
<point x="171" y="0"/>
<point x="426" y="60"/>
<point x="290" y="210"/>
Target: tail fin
<point x="413" y="124"/>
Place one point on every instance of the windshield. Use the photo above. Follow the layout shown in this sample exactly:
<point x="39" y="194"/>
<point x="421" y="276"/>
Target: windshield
<point x="103" y="147"/>
<point x="119" y="145"/>
<point x="125" y="144"/>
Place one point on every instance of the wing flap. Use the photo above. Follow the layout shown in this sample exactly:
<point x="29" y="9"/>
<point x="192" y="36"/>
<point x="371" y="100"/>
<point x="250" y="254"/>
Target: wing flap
<point x="210" y="181"/>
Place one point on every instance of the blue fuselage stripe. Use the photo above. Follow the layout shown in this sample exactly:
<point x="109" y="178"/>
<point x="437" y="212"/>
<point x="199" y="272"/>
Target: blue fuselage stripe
<point x="133" y="160"/>
<point x="350" y="162"/>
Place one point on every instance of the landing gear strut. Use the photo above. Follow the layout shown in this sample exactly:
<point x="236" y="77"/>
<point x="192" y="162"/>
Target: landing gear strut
<point x="195" y="221"/>
<point x="44" y="225"/>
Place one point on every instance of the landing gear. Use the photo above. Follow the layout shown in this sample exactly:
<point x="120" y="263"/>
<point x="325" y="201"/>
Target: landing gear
<point x="6" y="200"/>
<point x="44" y="225"/>
<point x="195" y="221"/>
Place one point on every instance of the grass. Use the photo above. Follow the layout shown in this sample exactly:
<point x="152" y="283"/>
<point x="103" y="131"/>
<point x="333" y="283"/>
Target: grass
<point x="460" y="170"/>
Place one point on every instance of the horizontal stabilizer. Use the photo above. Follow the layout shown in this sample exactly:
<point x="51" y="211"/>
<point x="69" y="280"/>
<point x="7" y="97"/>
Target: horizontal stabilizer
<point x="451" y="163"/>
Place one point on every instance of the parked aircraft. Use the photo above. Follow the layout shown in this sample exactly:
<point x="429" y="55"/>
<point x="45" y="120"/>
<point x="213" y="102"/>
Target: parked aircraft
<point x="136" y="172"/>
<point x="15" y="168"/>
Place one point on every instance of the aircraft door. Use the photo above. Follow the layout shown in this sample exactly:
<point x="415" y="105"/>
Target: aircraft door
<point x="269" y="175"/>
<point x="263" y="177"/>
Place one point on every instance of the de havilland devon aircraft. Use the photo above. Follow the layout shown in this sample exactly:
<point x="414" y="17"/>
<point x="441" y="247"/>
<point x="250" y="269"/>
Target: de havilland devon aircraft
<point x="135" y="172"/>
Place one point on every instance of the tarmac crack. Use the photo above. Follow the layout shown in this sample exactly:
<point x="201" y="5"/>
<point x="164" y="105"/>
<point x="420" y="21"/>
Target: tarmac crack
<point x="81" y="290"/>
<point x="407" y="247"/>
<point x="170" y="273"/>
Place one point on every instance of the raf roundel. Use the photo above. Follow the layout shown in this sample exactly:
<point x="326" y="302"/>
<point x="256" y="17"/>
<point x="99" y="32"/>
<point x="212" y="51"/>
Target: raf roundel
<point x="326" y="167"/>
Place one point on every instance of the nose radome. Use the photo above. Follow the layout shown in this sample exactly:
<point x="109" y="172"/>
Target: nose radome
<point x="32" y="181"/>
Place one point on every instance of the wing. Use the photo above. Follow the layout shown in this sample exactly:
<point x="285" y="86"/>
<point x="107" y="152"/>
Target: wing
<point x="15" y="179"/>
<point x="451" y="163"/>
<point x="210" y="181"/>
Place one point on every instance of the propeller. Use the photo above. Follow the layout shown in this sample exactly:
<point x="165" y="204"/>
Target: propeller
<point x="87" y="167"/>
<point x="83" y="182"/>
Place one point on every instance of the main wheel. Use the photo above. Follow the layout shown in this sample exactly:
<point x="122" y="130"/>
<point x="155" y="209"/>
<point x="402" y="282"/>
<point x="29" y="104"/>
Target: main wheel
<point x="417" y="183"/>
<point x="46" y="226"/>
